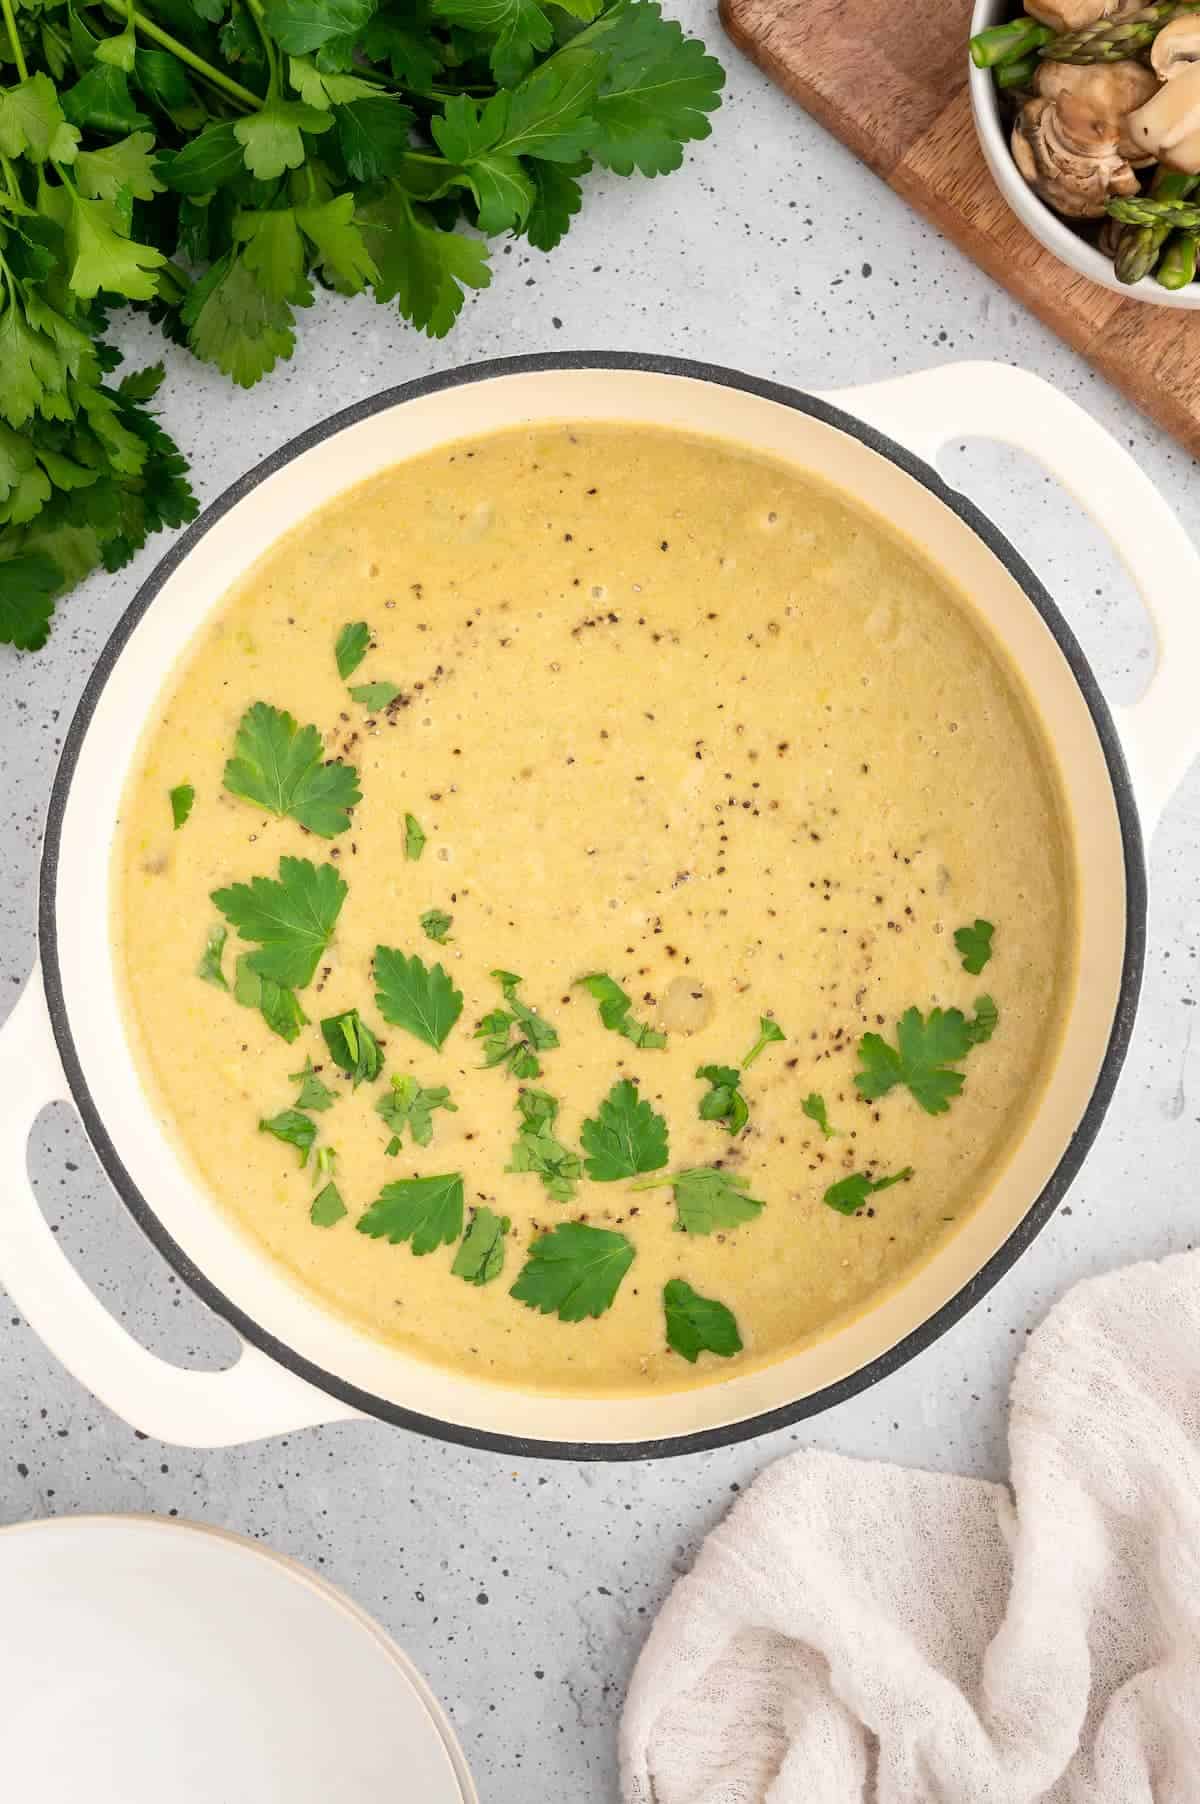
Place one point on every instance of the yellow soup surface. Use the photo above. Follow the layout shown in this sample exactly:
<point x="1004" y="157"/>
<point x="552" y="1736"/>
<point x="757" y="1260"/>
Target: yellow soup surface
<point x="665" y="711"/>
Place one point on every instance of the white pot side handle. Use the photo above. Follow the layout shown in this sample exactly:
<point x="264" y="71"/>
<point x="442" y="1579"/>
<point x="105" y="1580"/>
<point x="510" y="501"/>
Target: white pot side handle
<point x="1161" y="730"/>
<point x="248" y="1401"/>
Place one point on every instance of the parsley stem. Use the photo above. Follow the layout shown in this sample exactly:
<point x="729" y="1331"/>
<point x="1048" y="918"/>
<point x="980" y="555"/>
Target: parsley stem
<point x="10" y="24"/>
<point x="652" y="1183"/>
<point x="157" y="35"/>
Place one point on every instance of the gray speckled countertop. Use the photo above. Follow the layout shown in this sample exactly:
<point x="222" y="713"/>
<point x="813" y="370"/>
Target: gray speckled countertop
<point x="523" y="1589"/>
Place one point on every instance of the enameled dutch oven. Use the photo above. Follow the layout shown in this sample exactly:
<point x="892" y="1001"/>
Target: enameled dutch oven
<point x="301" y="1365"/>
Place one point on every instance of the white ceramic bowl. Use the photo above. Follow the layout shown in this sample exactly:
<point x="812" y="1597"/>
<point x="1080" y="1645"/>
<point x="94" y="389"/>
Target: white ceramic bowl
<point x="1033" y="213"/>
<point x="66" y="1038"/>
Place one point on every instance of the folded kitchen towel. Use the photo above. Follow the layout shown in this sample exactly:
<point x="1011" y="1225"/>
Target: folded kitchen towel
<point x="853" y="1631"/>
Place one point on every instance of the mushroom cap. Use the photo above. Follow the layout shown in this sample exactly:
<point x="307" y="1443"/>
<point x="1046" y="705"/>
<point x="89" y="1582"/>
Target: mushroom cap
<point x="1070" y="157"/>
<point x="1167" y="126"/>
<point x="1176" y="47"/>
<point x="1111" y="90"/>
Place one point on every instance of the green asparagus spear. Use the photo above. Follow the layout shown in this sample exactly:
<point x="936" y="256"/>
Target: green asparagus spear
<point x="1137" y="251"/>
<point x="1111" y="41"/>
<point x="1018" y="73"/>
<point x="1006" y="43"/>
<point x="1145" y="211"/>
<point x="1178" y="266"/>
<point x="1139" y="246"/>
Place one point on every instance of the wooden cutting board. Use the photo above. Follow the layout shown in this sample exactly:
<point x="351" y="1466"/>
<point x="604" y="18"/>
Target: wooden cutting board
<point x="889" y="79"/>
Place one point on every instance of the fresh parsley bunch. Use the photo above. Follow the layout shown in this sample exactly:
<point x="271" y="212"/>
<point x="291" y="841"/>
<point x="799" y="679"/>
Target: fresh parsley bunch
<point x="211" y="160"/>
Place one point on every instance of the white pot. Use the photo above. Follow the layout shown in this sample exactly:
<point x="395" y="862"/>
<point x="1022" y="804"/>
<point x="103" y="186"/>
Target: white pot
<point x="66" y="1038"/>
<point x="1040" y="219"/>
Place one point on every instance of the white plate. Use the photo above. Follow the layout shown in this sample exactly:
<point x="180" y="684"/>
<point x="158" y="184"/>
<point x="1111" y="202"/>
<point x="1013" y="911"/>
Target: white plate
<point x="144" y="1661"/>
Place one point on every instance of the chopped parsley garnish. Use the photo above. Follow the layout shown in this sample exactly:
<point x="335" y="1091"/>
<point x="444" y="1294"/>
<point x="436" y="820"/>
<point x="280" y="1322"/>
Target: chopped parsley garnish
<point x="294" y="1129"/>
<point x="327" y="1207"/>
<point x="278" y="1005"/>
<point x="926" y="1051"/>
<point x="625" y="1136"/>
<point x="574" y="1271"/>
<point x="350" y="647"/>
<point x="480" y="1257"/>
<point x="768" y="1034"/>
<point x="428" y="1212"/>
<point x="436" y="926"/>
<point x="848" y="1195"/>
<point x="415" y="996"/>
<point x="707" y="1198"/>
<point x="723" y="1100"/>
<point x="615" y="1007"/>
<point x="352" y="1046"/>
<point x="314" y="1093"/>
<point x="983" y="1025"/>
<point x="374" y="697"/>
<point x="326" y="1163"/>
<point x="814" y="1107"/>
<point x="409" y="1106"/>
<point x="697" y="1324"/>
<point x="292" y="918"/>
<point x="209" y="967"/>
<point x="514" y="1036"/>
<point x="414" y="838"/>
<point x="536" y="1148"/>
<point x="182" y="797"/>
<point x="282" y="768"/>
<point x="974" y="945"/>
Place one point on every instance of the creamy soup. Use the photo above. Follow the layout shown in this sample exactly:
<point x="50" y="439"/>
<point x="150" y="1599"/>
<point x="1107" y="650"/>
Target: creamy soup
<point x="626" y="705"/>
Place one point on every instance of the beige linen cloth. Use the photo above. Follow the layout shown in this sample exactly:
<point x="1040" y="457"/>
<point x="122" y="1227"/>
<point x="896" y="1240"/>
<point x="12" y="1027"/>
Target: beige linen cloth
<point x="853" y="1631"/>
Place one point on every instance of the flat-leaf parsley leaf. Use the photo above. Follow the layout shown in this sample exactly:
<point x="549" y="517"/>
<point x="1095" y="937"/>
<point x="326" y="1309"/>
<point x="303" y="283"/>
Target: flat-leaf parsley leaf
<point x="352" y="1046"/>
<point x="814" y="1107"/>
<point x="314" y="1092"/>
<point x="436" y="925"/>
<point x="974" y="945"/>
<point x="427" y="1212"/>
<point x="707" y="1198"/>
<point x="182" y="797"/>
<point x="278" y="1005"/>
<point x="294" y="1129"/>
<point x="723" y="1100"/>
<point x="292" y="918"/>
<point x="927" y="1048"/>
<point x="769" y="1034"/>
<point x="280" y="766"/>
<point x="480" y="1257"/>
<point x="615" y="1007"/>
<point x="418" y="997"/>
<point x="848" y="1195"/>
<point x="327" y="1207"/>
<point x="414" y="838"/>
<point x="574" y="1271"/>
<point x="350" y="647"/>
<point x="536" y="1148"/>
<point x="697" y="1324"/>
<point x="514" y="1036"/>
<point x="209" y="967"/>
<point x="626" y="1136"/>
<point x="411" y="1106"/>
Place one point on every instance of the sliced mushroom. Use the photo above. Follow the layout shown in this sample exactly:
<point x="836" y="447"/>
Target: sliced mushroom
<point x="1168" y="127"/>
<point x="1070" y="155"/>
<point x="1176" y="47"/>
<point x="1111" y="90"/>
<point x="1073" y="15"/>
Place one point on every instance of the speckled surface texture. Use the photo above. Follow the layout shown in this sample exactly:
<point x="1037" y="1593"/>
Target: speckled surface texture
<point x="523" y="1589"/>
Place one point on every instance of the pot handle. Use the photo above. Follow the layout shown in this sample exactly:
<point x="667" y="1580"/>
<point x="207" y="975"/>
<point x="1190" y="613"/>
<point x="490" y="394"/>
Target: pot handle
<point x="1161" y="730"/>
<point x="248" y="1401"/>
